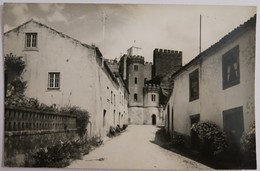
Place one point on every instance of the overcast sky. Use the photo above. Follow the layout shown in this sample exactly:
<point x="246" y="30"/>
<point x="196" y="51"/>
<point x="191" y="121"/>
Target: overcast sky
<point x="174" y="27"/>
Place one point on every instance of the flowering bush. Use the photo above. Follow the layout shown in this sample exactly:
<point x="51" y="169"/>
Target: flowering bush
<point x="178" y="141"/>
<point x="59" y="155"/>
<point x="212" y="141"/>
<point x="81" y="120"/>
<point x="248" y="146"/>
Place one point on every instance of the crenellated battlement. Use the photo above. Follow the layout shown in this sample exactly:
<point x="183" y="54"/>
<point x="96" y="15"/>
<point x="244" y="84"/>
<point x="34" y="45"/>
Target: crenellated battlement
<point x="151" y="88"/>
<point x="165" y="52"/>
<point x="148" y="63"/>
<point x="135" y="59"/>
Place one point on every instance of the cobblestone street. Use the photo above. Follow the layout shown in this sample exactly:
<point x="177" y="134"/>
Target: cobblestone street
<point x="134" y="149"/>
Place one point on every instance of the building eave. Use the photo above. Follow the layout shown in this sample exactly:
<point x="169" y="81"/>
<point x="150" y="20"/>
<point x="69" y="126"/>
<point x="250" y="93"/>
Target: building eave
<point x="57" y="32"/>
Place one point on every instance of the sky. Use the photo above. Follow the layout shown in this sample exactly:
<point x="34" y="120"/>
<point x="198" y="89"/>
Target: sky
<point x="174" y="27"/>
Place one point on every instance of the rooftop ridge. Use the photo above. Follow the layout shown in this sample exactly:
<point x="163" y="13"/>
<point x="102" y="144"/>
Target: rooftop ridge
<point x="52" y="29"/>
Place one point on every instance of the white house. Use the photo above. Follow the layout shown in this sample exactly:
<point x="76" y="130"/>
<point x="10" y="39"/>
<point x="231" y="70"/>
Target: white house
<point x="63" y="71"/>
<point x="217" y="85"/>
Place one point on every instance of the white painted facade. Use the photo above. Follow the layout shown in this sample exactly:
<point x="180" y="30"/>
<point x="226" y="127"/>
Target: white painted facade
<point x="213" y="99"/>
<point x="83" y="76"/>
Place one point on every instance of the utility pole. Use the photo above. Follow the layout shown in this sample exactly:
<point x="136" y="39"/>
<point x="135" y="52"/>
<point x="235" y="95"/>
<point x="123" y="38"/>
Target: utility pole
<point x="104" y="18"/>
<point x="200" y="36"/>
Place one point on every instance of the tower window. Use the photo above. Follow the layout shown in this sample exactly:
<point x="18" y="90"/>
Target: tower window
<point x="135" y="67"/>
<point x="135" y="97"/>
<point x="153" y="97"/>
<point x="135" y="80"/>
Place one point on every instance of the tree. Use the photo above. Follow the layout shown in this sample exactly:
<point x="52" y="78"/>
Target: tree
<point x="14" y="67"/>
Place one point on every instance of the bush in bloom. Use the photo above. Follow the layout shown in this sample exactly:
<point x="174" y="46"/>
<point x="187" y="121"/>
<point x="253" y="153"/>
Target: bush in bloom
<point x="248" y="147"/>
<point x="212" y="141"/>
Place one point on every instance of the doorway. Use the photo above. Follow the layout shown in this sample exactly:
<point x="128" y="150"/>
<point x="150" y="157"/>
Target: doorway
<point x="153" y="119"/>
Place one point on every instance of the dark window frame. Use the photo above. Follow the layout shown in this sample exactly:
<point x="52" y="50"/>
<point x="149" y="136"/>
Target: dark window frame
<point x="194" y="119"/>
<point x="53" y="80"/>
<point x="194" y="81"/>
<point x="135" y="80"/>
<point x="153" y="97"/>
<point x="135" y="67"/>
<point x="31" y="40"/>
<point x="135" y="97"/>
<point x="229" y="59"/>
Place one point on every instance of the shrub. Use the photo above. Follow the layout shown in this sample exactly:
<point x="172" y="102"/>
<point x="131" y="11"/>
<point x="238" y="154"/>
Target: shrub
<point x="112" y="131"/>
<point x="59" y="155"/>
<point x="178" y="141"/>
<point x="14" y="64"/>
<point x="81" y="120"/>
<point x="125" y="126"/>
<point x="212" y="141"/>
<point x="118" y="129"/>
<point x="248" y="147"/>
<point x="54" y="156"/>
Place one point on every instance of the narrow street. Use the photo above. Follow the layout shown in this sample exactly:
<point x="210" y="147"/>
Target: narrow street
<point x="134" y="149"/>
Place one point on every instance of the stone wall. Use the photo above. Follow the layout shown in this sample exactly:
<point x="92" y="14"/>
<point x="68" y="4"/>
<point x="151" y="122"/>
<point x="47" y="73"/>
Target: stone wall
<point x="26" y="131"/>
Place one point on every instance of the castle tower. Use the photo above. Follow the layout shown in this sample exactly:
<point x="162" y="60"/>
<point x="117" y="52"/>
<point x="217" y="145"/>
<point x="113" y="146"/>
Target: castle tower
<point x="135" y="80"/>
<point x="166" y="60"/>
<point x="151" y="104"/>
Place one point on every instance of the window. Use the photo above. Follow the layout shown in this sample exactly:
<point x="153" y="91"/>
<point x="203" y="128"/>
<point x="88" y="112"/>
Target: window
<point x="108" y="94"/>
<point x="114" y="100"/>
<point x="111" y="97"/>
<point x="153" y="97"/>
<point x="31" y="40"/>
<point x="120" y="98"/>
<point x="194" y="119"/>
<point x="135" y="80"/>
<point x="194" y="85"/>
<point x="145" y="80"/>
<point x="135" y="97"/>
<point x="54" y="80"/>
<point x="135" y="67"/>
<point x="230" y="68"/>
<point x="233" y="125"/>
<point x="104" y="118"/>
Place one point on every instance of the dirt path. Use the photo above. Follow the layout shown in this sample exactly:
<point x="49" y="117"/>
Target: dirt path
<point x="134" y="149"/>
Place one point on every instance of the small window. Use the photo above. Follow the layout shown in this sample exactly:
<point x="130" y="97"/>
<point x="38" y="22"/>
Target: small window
<point x="194" y="85"/>
<point x="194" y="119"/>
<point x="108" y="96"/>
<point x="104" y="118"/>
<point x="230" y="68"/>
<point x="153" y="97"/>
<point x="145" y="79"/>
<point x="111" y="97"/>
<point x="31" y="40"/>
<point x="135" y="67"/>
<point x="54" y="80"/>
<point x="135" y="80"/>
<point x="135" y="97"/>
<point x="114" y="100"/>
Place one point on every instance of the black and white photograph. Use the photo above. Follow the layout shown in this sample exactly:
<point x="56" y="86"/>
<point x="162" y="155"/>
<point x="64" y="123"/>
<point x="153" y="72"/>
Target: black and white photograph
<point x="129" y="86"/>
